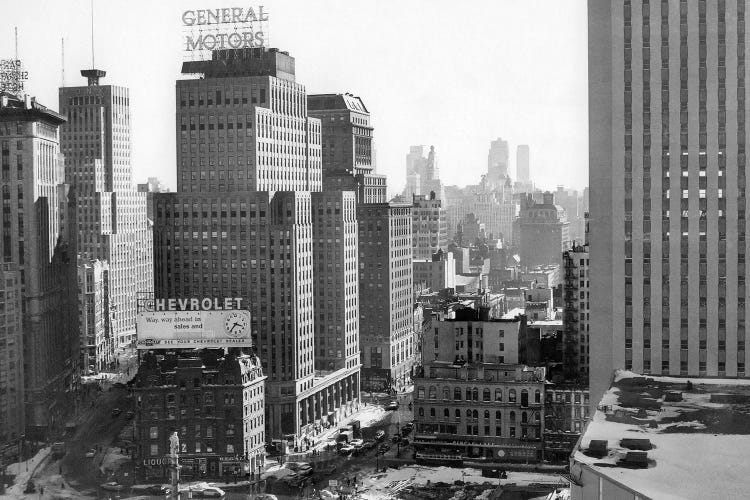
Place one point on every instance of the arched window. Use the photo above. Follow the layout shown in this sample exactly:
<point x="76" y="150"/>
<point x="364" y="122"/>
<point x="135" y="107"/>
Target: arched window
<point x="432" y="412"/>
<point x="457" y="394"/>
<point x="537" y="396"/>
<point x="420" y="392"/>
<point x="421" y="411"/>
<point x="446" y="413"/>
<point x="512" y="395"/>
<point x="498" y="394"/>
<point x="524" y="397"/>
<point x="475" y="394"/>
<point x="512" y="416"/>
<point x="498" y="415"/>
<point x="458" y="414"/>
<point x="468" y="413"/>
<point x="433" y="392"/>
<point x="468" y="394"/>
<point x="446" y="393"/>
<point x="524" y="417"/>
<point x="486" y="395"/>
<point x="475" y="414"/>
<point x="487" y="414"/>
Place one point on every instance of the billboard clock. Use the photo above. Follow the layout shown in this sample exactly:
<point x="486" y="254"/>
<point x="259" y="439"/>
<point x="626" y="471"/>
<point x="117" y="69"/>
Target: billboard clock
<point x="236" y="324"/>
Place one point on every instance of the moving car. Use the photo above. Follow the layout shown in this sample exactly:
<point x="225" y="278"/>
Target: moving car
<point x="158" y="489"/>
<point x="91" y="453"/>
<point x="384" y="447"/>
<point x="346" y="450"/>
<point x="357" y="442"/>
<point x="380" y="435"/>
<point x="112" y="486"/>
<point x="302" y="468"/>
<point x="392" y="406"/>
<point x="203" y="490"/>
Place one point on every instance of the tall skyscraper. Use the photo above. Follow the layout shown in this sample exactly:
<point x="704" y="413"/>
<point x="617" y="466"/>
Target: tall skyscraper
<point x="667" y="155"/>
<point x="543" y="233"/>
<point x="11" y="355"/>
<point x="423" y="173"/>
<point x="522" y="163"/>
<point x="386" y="294"/>
<point x="497" y="162"/>
<point x="39" y="247"/>
<point x="111" y="215"/>
<point x="241" y="225"/>
<point x="346" y="151"/>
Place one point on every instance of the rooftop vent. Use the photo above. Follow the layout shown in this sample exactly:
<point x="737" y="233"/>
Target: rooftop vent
<point x="636" y="444"/>
<point x="673" y="396"/>
<point x="636" y="459"/>
<point x="597" y="448"/>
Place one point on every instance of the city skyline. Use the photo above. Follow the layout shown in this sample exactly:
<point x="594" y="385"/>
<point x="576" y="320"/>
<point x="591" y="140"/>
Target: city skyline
<point x="513" y="100"/>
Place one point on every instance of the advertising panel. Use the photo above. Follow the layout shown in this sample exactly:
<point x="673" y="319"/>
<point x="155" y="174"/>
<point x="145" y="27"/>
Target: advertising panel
<point x="193" y="323"/>
<point x="205" y="30"/>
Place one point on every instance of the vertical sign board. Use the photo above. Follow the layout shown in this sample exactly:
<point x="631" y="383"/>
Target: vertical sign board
<point x="206" y="30"/>
<point x="193" y="323"/>
<point x="12" y="77"/>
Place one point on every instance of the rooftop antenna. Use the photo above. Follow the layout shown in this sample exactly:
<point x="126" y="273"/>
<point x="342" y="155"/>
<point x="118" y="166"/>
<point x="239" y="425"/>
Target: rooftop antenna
<point x="93" y="64"/>
<point x="93" y="75"/>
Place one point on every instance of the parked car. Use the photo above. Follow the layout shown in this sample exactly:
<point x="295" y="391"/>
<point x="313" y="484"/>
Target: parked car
<point x="380" y="435"/>
<point x="392" y="406"/>
<point x="116" y="412"/>
<point x="203" y="490"/>
<point x="302" y="468"/>
<point x="346" y="450"/>
<point x="91" y="453"/>
<point x="369" y="444"/>
<point x="158" y="489"/>
<point x="119" y="385"/>
<point x="357" y="442"/>
<point x="384" y="447"/>
<point x="112" y="486"/>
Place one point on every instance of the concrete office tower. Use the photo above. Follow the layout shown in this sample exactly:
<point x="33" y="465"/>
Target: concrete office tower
<point x="336" y="287"/>
<point x="11" y="355"/>
<point x="94" y="316"/>
<point x="39" y="245"/>
<point x="386" y="294"/>
<point x="497" y="162"/>
<point x="241" y="222"/>
<point x="111" y="215"/>
<point x="347" y="154"/>
<point x="667" y="163"/>
<point x="430" y="232"/>
<point x="542" y="232"/>
<point x="522" y="163"/>
<point x="576" y="315"/>
<point x="422" y="173"/>
<point x="151" y="186"/>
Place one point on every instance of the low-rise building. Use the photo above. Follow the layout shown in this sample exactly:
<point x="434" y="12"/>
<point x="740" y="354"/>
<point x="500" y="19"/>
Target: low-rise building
<point x="436" y="273"/>
<point x="215" y="403"/>
<point x="483" y="412"/>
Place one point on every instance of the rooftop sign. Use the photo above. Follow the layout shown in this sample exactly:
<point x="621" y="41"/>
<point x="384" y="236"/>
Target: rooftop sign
<point x="12" y="77"/>
<point x="206" y="30"/>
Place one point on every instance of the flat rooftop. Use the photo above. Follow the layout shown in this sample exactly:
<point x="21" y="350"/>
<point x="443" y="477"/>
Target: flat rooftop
<point x="698" y="433"/>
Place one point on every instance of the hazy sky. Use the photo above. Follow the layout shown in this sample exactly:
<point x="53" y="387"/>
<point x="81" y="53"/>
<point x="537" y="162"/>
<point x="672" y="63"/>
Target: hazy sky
<point x="448" y="73"/>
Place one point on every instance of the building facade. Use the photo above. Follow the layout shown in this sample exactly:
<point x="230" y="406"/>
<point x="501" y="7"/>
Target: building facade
<point x="386" y="295"/>
<point x="423" y="173"/>
<point x="483" y="412"/>
<point x="215" y="403"/>
<point x="38" y="234"/>
<point x="430" y="231"/>
<point x="435" y="274"/>
<point x="241" y="224"/>
<point x="12" y="414"/>
<point x="111" y="215"/>
<point x="667" y="155"/>
<point x="576" y="315"/>
<point x="542" y="232"/>
<point x="94" y="315"/>
<point x="566" y="411"/>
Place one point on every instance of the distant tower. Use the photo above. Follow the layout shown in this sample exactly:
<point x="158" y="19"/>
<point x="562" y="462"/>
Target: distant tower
<point x="497" y="162"/>
<point x="522" y="163"/>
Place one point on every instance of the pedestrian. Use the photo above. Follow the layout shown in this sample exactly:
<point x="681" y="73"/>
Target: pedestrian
<point x="41" y="490"/>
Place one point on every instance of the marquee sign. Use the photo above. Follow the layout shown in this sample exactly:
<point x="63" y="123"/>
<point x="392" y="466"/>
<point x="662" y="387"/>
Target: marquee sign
<point x="206" y="30"/>
<point x="12" y="77"/>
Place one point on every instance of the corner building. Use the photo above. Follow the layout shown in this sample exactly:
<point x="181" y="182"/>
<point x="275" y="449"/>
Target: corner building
<point x="241" y="223"/>
<point x="668" y="159"/>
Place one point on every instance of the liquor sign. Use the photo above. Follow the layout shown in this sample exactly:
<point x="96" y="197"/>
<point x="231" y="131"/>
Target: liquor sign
<point x="193" y="323"/>
<point x="12" y="77"/>
<point x="205" y="30"/>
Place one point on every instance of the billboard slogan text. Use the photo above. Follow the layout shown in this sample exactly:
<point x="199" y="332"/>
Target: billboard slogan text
<point x="226" y="28"/>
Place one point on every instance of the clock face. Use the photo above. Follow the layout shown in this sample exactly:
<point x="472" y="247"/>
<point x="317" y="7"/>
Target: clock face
<point x="235" y="324"/>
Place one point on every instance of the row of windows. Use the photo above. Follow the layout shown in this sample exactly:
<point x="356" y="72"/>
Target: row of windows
<point x="472" y="394"/>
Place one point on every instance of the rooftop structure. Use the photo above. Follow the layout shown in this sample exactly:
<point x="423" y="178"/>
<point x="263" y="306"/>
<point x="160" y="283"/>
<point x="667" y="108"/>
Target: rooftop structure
<point x="665" y="437"/>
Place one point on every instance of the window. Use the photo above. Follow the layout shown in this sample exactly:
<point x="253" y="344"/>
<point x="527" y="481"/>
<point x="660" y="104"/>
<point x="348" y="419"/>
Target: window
<point x="486" y="414"/>
<point x="498" y="415"/>
<point x="446" y="393"/>
<point x="446" y="413"/>
<point x="420" y="392"/>
<point x="154" y="450"/>
<point x="537" y="396"/>
<point x="457" y="394"/>
<point x="486" y="395"/>
<point x="433" y="392"/>
<point x="498" y="394"/>
<point x="458" y="414"/>
<point x="432" y="412"/>
<point x="421" y="412"/>
<point x="512" y="395"/>
<point x="230" y="448"/>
